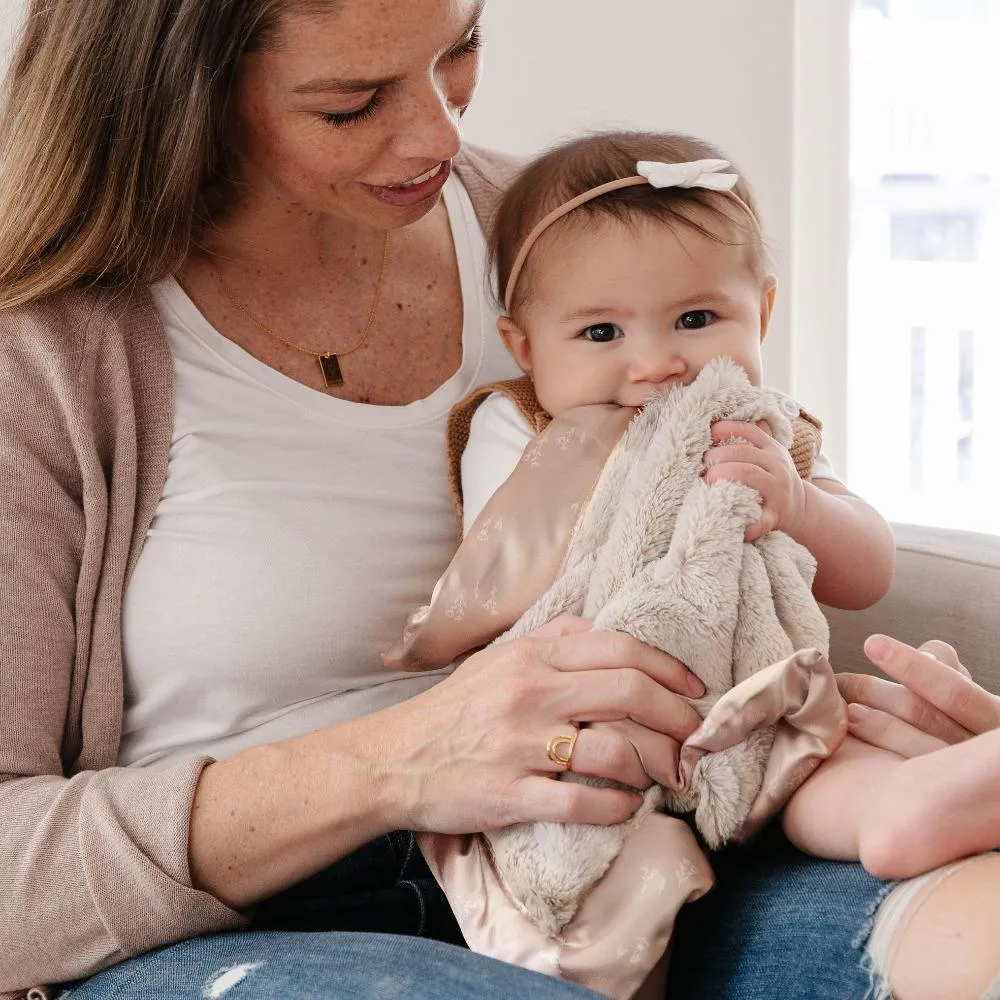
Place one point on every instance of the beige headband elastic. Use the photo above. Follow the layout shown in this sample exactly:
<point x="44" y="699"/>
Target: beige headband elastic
<point x="697" y="173"/>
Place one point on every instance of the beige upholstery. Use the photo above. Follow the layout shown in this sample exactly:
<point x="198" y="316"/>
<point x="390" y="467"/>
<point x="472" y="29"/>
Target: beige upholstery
<point x="947" y="587"/>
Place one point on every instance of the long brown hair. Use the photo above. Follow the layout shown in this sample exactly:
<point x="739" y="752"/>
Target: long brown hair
<point x="584" y="163"/>
<point x="113" y="150"/>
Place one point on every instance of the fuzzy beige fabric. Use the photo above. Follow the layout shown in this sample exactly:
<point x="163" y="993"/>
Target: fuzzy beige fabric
<point x="659" y="554"/>
<point x="806" y="441"/>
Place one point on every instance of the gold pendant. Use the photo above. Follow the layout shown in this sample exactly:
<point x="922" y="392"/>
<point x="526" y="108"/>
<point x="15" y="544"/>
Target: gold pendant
<point x="329" y="365"/>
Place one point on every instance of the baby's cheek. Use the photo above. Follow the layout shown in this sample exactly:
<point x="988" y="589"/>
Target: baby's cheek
<point x="550" y="394"/>
<point x="562" y="391"/>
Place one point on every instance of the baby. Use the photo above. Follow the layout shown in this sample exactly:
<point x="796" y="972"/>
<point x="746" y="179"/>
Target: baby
<point x="636" y="290"/>
<point x="626" y="264"/>
<point x="612" y="295"/>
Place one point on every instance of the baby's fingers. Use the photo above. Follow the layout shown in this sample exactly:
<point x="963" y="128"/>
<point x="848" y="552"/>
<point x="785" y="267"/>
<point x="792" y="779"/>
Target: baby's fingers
<point x="767" y="522"/>
<point x="755" y="434"/>
<point x="737" y="472"/>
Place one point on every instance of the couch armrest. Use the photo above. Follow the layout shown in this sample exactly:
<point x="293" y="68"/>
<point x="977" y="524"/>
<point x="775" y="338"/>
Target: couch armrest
<point x="947" y="586"/>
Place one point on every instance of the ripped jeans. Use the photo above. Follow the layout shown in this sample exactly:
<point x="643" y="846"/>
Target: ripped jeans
<point x="780" y="925"/>
<point x="360" y="929"/>
<point x="777" y="926"/>
<point x="273" y="965"/>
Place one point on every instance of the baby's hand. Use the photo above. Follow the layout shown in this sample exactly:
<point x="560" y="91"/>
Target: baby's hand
<point x="757" y="460"/>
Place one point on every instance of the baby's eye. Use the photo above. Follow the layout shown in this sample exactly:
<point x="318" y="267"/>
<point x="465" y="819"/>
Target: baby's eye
<point x="696" y="320"/>
<point x="602" y="333"/>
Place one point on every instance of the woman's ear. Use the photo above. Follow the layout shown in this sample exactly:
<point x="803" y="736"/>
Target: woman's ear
<point x="767" y="296"/>
<point x="516" y="341"/>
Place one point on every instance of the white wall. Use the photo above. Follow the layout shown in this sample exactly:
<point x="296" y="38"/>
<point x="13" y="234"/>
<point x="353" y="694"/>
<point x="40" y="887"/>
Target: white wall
<point x="11" y="12"/>
<point x="766" y="80"/>
<point x="761" y="79"/>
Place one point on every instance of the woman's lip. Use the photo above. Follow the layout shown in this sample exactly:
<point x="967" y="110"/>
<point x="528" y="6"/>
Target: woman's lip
<point x="416" y="193"/>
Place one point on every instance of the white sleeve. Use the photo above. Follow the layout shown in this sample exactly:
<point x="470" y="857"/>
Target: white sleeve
<point x="497" y="437"/>
<point x="822" y="469"/>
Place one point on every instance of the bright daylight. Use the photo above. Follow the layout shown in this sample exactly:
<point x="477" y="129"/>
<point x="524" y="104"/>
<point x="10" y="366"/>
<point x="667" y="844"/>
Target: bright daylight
<point x="499" y="500"/>
<point x="924" y="348"/>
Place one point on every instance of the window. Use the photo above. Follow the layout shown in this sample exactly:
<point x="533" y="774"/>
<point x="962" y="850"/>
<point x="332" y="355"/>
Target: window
<point x="924" y="314"/>
<point x="944" y="236"/>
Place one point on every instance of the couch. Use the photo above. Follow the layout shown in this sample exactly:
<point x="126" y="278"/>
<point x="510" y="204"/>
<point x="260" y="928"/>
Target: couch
<point x="947" y="586"/>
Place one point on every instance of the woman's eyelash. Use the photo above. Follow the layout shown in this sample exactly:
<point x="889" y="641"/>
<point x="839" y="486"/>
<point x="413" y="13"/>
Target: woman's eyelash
<point x="471" y="44"/>
<point x="339" y="118"/>
<point x="342" y="118"/>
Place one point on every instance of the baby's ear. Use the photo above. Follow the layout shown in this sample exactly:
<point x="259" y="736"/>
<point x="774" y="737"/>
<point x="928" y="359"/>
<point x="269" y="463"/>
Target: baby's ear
<point x="516" y="341"/>
<point x="768" y="292"/>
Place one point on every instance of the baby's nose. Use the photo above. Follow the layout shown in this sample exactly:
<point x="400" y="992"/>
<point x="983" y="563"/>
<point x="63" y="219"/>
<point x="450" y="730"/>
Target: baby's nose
<point x="657" y="365"/>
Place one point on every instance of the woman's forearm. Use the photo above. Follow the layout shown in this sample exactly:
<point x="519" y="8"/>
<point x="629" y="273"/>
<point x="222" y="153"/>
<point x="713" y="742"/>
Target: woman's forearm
<point x="854" y="548"/>
<point x="467" y="754"/>
<point x="273" y="815"/>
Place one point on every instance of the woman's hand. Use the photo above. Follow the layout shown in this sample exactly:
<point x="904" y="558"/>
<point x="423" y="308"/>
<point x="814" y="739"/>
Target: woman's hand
<point x="470" y="754"/>
<point x="934" y="702"/>
<point x="758" y="461"/>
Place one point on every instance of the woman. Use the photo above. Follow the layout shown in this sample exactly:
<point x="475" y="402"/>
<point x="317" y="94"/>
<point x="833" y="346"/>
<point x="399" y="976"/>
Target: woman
<point x="240" y="273"/>
<point x="195" y="196"/>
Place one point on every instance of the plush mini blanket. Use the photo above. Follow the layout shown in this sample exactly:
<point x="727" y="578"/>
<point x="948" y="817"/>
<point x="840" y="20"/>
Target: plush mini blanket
<point x="656" y="552"/>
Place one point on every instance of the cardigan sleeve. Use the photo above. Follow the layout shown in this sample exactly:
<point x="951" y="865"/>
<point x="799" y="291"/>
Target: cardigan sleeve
<point x="93" y="864"/>
<point x="486" y="175"/>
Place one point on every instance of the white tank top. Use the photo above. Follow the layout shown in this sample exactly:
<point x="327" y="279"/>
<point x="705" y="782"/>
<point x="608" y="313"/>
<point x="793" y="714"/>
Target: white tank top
<point x="295" y="533"/>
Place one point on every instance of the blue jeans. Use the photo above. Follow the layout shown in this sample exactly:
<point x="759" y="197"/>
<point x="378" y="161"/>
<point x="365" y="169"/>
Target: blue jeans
<point x="296" y="965"/>
<point x="778" y="926"/>
<point x="363" y="928"/>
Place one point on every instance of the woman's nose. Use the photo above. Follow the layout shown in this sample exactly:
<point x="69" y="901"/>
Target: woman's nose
<point x="433" y="130"/>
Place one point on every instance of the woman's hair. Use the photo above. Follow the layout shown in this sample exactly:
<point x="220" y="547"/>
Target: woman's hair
<point x="571" y="169"/>
<point x="113" y="146"/>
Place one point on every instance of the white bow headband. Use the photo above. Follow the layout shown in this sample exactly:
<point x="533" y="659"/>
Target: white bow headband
<point x="697" y="173"/>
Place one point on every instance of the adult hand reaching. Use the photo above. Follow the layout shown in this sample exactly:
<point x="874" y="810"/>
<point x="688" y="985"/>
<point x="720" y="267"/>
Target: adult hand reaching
<point x="931" y="701"/>
<point x="948" y="727"/>
<point x="467" y="755"/>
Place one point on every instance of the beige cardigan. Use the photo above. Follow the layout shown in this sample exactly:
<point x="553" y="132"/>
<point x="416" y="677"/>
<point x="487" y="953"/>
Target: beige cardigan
<point x="93" y="857"/>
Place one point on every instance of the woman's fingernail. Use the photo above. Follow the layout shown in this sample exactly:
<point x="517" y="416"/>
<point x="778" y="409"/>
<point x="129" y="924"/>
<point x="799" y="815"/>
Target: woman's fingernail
<point x="695" y="686"/>
<point x="858" y="713"/>
<point x="877" y="648"/>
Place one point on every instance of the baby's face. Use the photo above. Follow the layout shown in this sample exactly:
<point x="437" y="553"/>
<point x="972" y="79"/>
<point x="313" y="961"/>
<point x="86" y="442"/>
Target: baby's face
<point x="616" y="312"/>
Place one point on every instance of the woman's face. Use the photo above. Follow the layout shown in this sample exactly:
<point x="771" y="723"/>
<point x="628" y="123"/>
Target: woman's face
<point x="340" y="113"/>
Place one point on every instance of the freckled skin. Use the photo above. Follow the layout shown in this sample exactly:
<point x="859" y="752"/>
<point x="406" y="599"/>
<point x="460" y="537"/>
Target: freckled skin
<point x="302" y="248"/>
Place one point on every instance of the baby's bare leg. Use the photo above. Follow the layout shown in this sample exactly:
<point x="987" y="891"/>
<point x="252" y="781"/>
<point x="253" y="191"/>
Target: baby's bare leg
<point x="826" y="815"/>
<point x="936" y="937"/>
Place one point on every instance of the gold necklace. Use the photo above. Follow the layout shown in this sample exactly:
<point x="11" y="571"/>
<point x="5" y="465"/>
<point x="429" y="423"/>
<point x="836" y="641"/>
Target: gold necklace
<point x="329" y="362"/>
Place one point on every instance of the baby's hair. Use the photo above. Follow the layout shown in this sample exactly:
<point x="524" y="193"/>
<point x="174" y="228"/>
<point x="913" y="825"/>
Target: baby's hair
<point x="577" y="166"/>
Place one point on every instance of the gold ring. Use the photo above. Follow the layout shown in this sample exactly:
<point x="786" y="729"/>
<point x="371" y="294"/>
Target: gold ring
<point x="560" y="749"/>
